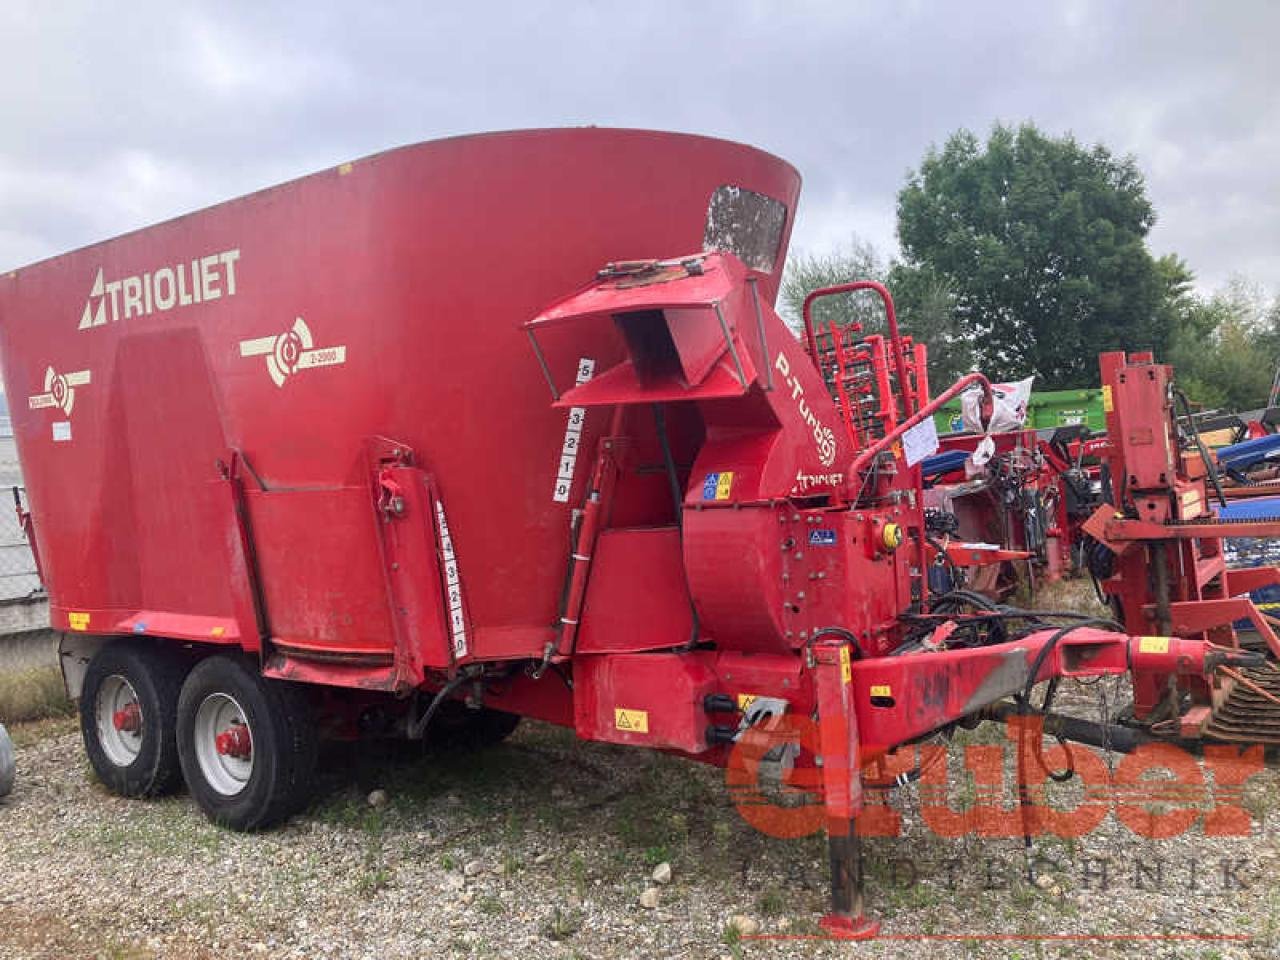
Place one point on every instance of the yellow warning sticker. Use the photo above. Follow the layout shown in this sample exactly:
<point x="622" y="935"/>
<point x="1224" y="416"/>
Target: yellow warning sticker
<point x="1107" y="405"/>
<point x="78" y="621"/>
<point x="745" y="700"/>
<point x="724" y="485"/>
<point x="1153" y="644"/>
<point x="846" y="668"/>
<point x="881" y="690"/>
<point x="632" y="721"/>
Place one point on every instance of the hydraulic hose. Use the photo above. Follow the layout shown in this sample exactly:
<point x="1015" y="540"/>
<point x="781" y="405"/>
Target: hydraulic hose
<point x="418" y="727"/>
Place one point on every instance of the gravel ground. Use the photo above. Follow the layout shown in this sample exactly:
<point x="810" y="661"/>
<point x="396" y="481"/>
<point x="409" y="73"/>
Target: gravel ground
<point x="545" y="847"/>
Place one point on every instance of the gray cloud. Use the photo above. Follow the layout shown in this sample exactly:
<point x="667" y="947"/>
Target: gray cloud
<point x="115" y="120"/>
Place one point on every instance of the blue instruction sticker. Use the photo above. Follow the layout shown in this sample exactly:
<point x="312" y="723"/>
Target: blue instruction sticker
<point x="822" y="538"/>
<point x="717" y="486"/>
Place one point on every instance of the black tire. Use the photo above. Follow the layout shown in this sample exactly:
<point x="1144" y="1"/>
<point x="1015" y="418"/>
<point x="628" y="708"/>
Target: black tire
<point x="154" y="677"/>
<point x="283" y="741"/>
<point x="457" y="727"/>
<point x="8" y="766"/>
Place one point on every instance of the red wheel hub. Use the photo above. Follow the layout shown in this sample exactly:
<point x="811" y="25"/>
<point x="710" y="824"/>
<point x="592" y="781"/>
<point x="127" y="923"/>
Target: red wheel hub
<point x="234" y="742"/>
<point x="128" y="719"/>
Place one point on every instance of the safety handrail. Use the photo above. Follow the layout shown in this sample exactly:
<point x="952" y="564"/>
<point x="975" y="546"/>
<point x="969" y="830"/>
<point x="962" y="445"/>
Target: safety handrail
<point x="899" y="360"/>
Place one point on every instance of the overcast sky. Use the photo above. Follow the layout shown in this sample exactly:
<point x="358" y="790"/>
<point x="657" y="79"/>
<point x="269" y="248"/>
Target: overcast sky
<point x="118" y="115"/>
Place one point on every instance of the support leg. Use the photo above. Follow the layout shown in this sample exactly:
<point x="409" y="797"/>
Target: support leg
<point x="847" y="919"/>
<point x="842" y="785"/>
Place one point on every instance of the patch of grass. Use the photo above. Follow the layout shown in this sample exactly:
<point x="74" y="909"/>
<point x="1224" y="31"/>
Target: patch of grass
<point x="554" y="815"/>
<point x="807" y="925"/>
<point x="562" y="924"/>
<point x="656" y="855"/>
<point x="642" y="822"/>
<point x="1073" y="594"/>
<point x="773" y="902"/>
<point x="732" y="938"/>
<point x="514" y="828"/>
<point x="1024" y="896"/>
<point x="202" y="909"/>
<point x="988" y="732"/>
<point x="33" y="694"/>
<point x="29" y="734"/>
<point x="916" y="896"/>
<point x="353" y="812"/>
<point x="722" y="833"/>
<point x="167" y="828"/>
<point x="578" y="873"/>
<point x="121" y="951"/>
<point x="373" y="880"/>
<point x="1267" y="920"/>
<point x="1261" y="799"/>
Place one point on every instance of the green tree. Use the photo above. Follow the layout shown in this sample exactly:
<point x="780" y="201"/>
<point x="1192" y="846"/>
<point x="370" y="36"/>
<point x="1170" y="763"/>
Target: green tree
<point x="806" y="272"/>
<point x="1042" y="243"/>
<point x="926" y="305"/>
<point x="1225" y="349"/>
<point x="1193" y="323"/>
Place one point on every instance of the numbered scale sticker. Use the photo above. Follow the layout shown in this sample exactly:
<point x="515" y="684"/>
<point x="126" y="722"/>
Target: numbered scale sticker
<point x="572" y="437"/>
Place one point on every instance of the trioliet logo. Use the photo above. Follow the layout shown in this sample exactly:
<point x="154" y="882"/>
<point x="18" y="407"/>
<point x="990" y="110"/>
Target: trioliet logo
<point x="166" y="288"/>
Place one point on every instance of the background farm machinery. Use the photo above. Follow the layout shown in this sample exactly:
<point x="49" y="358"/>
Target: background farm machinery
<point x="1146" y="510"/>
<point x="1032" y="496"/>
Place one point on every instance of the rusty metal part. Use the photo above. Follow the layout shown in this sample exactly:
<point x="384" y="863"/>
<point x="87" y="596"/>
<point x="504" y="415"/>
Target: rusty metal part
<point x="1256" y="688"/>
<point x="1251" y="711"/>
<point x="1160" y="572"/>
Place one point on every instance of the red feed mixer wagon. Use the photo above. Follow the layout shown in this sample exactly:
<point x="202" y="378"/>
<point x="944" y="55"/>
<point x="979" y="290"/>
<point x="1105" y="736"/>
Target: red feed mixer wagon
<point x="408" y="442"/>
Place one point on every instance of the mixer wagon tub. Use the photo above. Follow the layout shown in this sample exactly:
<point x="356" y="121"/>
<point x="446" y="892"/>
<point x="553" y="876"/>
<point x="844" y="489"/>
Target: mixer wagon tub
<point x="483" y="428"/>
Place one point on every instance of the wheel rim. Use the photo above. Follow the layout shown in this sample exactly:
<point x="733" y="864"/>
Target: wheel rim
<point x="120" y="721"/>
<point x="224" y="744"/>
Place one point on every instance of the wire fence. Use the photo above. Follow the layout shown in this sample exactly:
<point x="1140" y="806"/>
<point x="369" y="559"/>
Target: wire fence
<point x="18" y="577"/>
